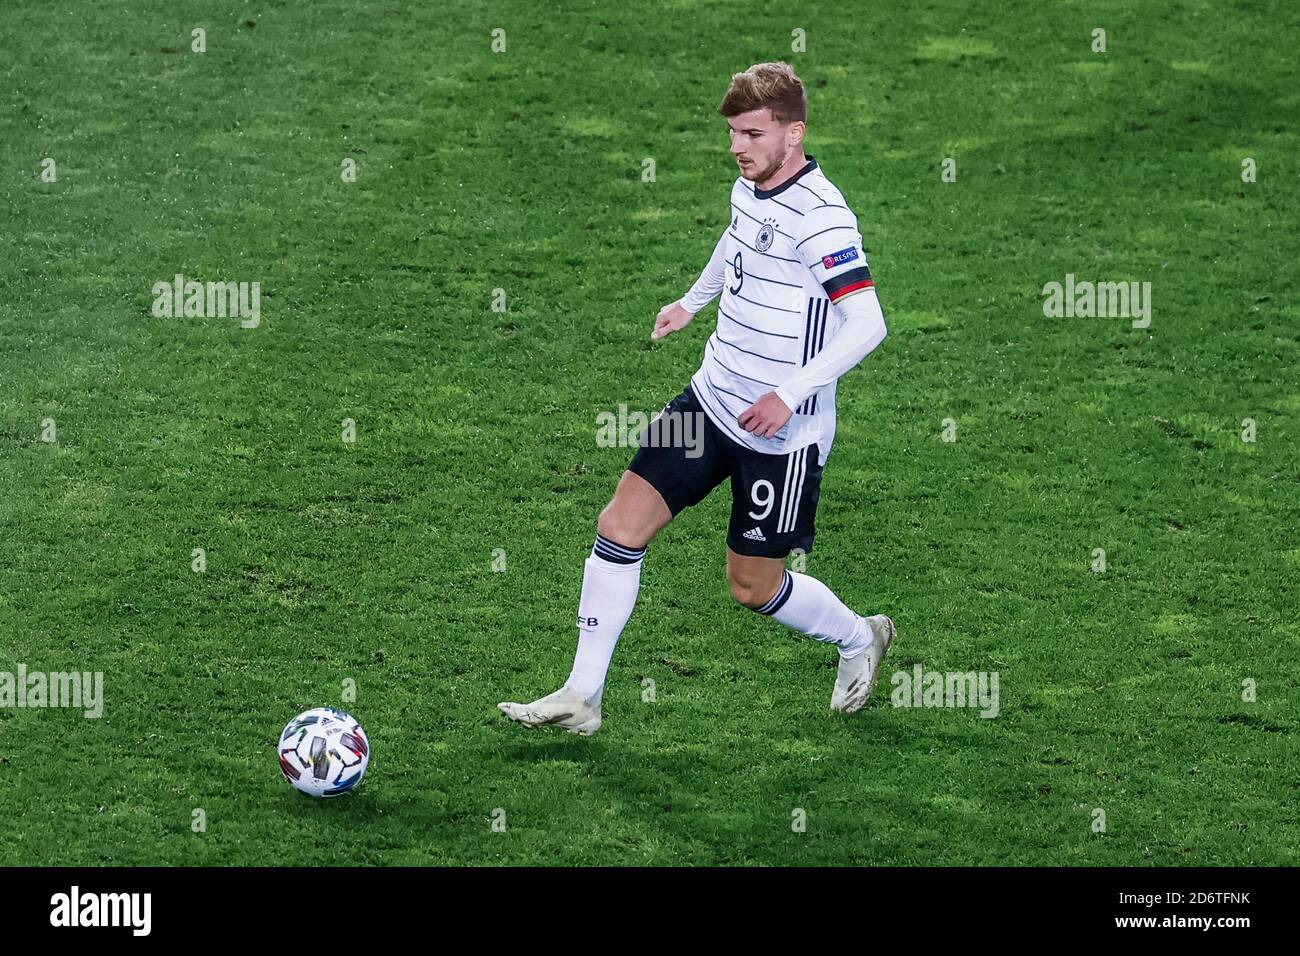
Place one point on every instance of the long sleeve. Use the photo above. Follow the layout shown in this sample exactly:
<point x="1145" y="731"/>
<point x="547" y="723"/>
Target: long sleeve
<point x="862" y="331"/>
<point x="709" y="284"/>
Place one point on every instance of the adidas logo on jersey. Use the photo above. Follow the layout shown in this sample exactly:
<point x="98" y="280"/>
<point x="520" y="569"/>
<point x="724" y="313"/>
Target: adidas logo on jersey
<point x="754" y="535"/>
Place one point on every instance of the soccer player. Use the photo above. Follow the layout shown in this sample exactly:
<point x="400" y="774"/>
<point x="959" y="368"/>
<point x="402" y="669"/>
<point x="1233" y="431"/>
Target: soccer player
<point x="798" y="310"/>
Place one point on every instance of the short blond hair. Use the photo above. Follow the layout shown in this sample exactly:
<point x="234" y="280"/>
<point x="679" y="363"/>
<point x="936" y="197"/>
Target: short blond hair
<point x="771" y="85"/>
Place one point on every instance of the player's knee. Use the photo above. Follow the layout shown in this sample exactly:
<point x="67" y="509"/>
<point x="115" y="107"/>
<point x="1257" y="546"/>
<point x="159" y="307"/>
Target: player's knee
<point x="749" y="591"/>
<point x="747" y="596"/>
<point x="615" y="526"/>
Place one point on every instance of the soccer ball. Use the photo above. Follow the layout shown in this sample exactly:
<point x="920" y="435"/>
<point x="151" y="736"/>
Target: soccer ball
<point x="324" y="752"/>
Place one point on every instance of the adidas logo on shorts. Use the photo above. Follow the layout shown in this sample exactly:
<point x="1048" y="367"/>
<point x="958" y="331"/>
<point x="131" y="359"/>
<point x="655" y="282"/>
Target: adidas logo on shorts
<point x="754" y="535"/>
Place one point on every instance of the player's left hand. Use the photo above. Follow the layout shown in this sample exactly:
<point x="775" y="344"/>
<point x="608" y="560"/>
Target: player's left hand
<point x="765" y="417"/>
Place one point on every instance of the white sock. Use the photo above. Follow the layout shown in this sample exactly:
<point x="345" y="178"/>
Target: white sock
<point x="807" y="605"/>
<point x="610" y="582"/>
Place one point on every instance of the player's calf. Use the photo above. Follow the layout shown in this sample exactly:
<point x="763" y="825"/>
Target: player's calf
<point x="610" y="583"/>
<point x="808" y="605"/>
<point x="804" y="603"/>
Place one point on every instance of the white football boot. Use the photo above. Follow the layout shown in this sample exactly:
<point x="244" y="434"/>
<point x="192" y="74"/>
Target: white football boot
<point x="564" y="708"/>
<point x="857" y="676"/>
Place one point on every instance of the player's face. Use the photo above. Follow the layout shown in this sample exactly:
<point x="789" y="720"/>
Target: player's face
<point x="760" y="144"/>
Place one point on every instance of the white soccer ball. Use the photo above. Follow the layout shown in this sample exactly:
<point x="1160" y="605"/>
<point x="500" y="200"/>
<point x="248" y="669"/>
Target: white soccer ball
<point x="324" y="752"/>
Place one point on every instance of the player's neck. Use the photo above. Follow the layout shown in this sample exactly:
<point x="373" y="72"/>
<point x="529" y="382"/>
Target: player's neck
<point x="789" y="168"/>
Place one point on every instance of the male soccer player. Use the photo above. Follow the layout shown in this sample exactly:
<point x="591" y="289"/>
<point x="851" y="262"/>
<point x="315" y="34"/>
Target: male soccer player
<point x="798" y="310"/>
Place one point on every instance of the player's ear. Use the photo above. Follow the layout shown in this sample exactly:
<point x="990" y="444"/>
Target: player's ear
<point x="795" y="133"/>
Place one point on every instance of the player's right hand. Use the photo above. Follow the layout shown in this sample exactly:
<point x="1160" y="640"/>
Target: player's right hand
<point x="670" y="318"/>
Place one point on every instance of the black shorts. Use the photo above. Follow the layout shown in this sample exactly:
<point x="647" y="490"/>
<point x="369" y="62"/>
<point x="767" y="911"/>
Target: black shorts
<point x="773" y="497"/>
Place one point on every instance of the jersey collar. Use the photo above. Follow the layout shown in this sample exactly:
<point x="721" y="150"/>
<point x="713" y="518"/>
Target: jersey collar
<point x="777" y="190"/>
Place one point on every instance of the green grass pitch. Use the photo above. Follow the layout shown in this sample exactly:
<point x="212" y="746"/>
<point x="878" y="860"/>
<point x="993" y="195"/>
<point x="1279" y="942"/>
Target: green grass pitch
<point x="1124" y="691"/>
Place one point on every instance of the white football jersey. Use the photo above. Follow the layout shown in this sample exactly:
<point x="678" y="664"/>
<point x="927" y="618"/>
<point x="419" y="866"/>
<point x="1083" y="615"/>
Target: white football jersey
<point x="788" y="255"/>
